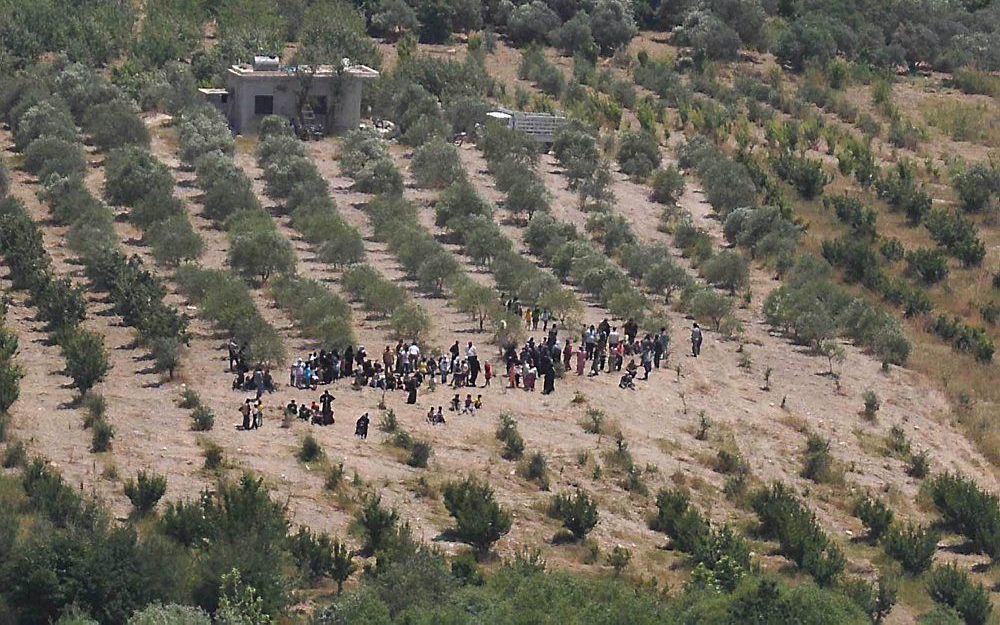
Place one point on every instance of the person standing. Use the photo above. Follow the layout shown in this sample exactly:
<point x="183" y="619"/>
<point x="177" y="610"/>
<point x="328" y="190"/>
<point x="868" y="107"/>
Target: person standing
<point x="472" y="356"/>
<point x="487" y="373"/>
<point x="245" y="413"/>
<point x="361" y="427"/>
<point x="696" y="339"/>
<point x="258" y="382"/>
<point x="581" y="360"/>
<point x="326" y="404"/>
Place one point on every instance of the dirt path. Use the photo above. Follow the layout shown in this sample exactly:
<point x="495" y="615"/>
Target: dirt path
<point x="138" y="401"/>
<point x="448" y="325"/>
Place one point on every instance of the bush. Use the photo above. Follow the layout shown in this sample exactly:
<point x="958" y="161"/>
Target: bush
<point x="15" y="455"/>
<point x="912" y="546"/>
<point x="101" y="436"/>
<point x="310" y="450"/>
<point x="875" y="515"/>
<point x="410" y="321"/>
<point x="133" y="173"/>
<point x="259" y="252"/>
<point x="968" y="510"/>
<point x="977" y="186"/>
<point x="952" y="587"/>
<point x="513" y="444"/>
<point x="86" y="358"/>
<point x="436" y="165"/>
<point x="727" y="270"/>
<point x="51" y="156"/>
<point x="818" y="460"/>
<point x="145" y="491"/>
<point x="638" y="154"/>
<point x="919" y="466"/>
<point x="578" y="512"/>
<point x="420" y="454"/>
<point x="376" y="524"/>
<point x="213" y="456"/>
<point x="479" y="519"/>
<point x="668" y="185"/>
<point x="202" y="418"/>
<point x="115" y="124"/>
<point x="929" y="265"/>
<point x="535" y="468"/>
<point x="872" y="404"/>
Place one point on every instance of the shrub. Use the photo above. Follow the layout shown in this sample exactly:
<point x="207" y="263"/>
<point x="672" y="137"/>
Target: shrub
<point x="86" y="358"/>
<point x="919" y="466"/>
<point x="213" y="456"/>
<point x="976" y="186"/>
<point x="436" y="164"/>
<point x="536" y="469"/>
<point x="133" y="173"/>
<point x="376" y="524"/>
<point x="818" y="460"/>
<point x="15" y="455"/>
<point x="930" y="265"/>
<point x="898" y="443"/>
<point x="876" y="601"/>
<point x="420" y="454"/>
<point x="513" y="444"/>
<point x="912" y="546"/>
<point x="410" y="321"/>
<point x="259" y="252"/>
<point x="51" y="156"/>
<point x="731" y="462"/>
<point x="727" y="270"/>
<point x="619" y="558"/>
<point x="145" y="491"/>
<point x="875" y="515"/>
<point x="310" y="449"/>
<point x="668" y="185"/>
<point x="872" y="404"/>
<point x="174" y="240"/>
<point x="101" y="436"/>
<point x="202" y="418"/>
<point x="379" y="176"/>
<point x="114" y="124"/>
<point x="638" y="154"/>
<point x="708" y="305"/>
<point x="968" y="510"/>
<point x="952" y="587"/>
<point x="578" y="512"/>
<point x="479" y="519"/>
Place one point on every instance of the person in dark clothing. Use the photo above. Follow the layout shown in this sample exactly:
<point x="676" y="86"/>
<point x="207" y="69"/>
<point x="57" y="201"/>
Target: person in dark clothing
<point x="258" y="382"/>
<point x="361" y="427"/>
<point x="245" y="412"/>
<point x="326" y="407"/>
<point x="348" y="361"/>
<point x="696" y="340"/>
<point x="411" y="389"/>
<point x="549" y="375"/>
<point x="631" y="330"/>
<point x="657" y="350"/>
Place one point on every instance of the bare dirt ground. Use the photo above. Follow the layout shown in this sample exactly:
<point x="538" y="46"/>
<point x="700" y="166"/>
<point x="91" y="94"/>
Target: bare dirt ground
<point x="658" y="420"/>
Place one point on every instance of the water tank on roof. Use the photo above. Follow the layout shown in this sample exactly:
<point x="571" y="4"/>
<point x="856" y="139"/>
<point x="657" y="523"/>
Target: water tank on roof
<point x="265" y="63"/>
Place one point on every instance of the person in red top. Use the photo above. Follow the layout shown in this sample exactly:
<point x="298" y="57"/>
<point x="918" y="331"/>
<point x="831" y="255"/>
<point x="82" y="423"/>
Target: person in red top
<point x="487" y="373"/>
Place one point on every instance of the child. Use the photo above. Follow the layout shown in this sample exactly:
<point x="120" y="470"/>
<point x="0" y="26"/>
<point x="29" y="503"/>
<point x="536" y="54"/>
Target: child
<point x="488" y="373"/>
<point x="468" y="409"/>
<point x="454" y="403"/>
<point x="478" y="404"/>
<point x="439" y="417"/>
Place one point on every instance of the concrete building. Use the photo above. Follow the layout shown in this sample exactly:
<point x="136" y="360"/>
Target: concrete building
<point x="267" y="88"/>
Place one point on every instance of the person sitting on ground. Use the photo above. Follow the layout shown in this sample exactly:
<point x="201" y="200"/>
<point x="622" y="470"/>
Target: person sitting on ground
<point x="292" y="409"/>
<point x="269" y="385"/>
<point x="439" y="417"/>
<point x="361" y="427"/>
<point x="468" y="408"/>
<point x="240" y="381"/>
<point x="430" y="415"/>
<point x="627" y="381"/>
<point x="304" y="413"/>
<point x="478" y="404"/>
<point x="455" y="402"/>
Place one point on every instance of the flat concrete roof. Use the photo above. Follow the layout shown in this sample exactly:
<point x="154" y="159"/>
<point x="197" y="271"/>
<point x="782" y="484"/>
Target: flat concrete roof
<point x="362" y="72"/>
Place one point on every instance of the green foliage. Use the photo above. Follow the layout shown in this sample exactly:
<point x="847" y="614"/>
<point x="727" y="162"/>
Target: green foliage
<point x="968" y="510"/>
<point x="929" y="265"/>
<point x="875" y="515"/>
<point x="376" y="524"/>
<point x="978" y="187"/>
<point x="101" y="436"/>
<point x="132" y="174"/>
<point x="727" y="270"/>
<point x="578" y="512"/>
<point x="872" y="404"/>
<point x="479" y="519"/>
<point x="638" y="154"/>
<point x="513" y="444"/>
<point x="257" y="249"/>
<point x="912" y="546"/>
<point x="114" y="124"/>
<point x="818" y="464"/>
<point x="806" y="175"/>
<point x="86" y="358"/>
<point x="800" y="538"/>
<point x="952" y="587"/>
<point x="170" y="614"/>
<point x="964" y="337"/>
<point x="51" y="156"/>
<point x="145" y="491"/>
<point x="436" y="165"/>
<point x="310" y="449"/>
<point x="668" y="185"/>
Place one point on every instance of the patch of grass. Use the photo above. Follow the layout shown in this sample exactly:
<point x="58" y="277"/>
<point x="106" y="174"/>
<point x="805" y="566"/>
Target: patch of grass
<point x="213" y="456"/>
<point x="15" y="455"/>
<point x="535" y="468"/>
<point x="101" y="436"/>
<point x="976" y="122"/>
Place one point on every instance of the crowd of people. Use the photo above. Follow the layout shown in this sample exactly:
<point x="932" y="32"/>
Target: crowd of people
<point x="406" y="368"/>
